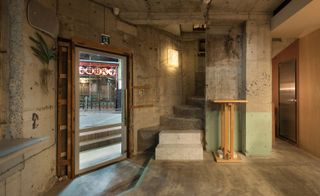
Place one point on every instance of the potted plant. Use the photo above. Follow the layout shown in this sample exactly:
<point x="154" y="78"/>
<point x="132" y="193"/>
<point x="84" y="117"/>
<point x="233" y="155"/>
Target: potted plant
<point x="45" y="55"/>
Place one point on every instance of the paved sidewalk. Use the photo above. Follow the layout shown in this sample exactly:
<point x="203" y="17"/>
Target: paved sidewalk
<point x="99" y="118"/>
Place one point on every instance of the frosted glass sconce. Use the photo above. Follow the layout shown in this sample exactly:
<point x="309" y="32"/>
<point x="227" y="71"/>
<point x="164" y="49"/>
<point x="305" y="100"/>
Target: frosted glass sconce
<point x="173" y="58"/>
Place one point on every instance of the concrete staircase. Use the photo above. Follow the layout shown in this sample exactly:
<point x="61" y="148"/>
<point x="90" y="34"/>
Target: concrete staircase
<point x="180" y="136"/>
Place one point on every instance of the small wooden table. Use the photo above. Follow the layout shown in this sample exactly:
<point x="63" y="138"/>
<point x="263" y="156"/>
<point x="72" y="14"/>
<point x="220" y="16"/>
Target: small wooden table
<point x="227" y="131"/>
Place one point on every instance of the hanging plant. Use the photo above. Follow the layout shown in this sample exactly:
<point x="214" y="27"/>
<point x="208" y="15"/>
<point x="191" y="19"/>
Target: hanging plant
<point x="45" y="55"/>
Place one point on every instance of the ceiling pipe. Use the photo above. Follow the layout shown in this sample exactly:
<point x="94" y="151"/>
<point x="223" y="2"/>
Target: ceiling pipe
<point x="206" y="4"/>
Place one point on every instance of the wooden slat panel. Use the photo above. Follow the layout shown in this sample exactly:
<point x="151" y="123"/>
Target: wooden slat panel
<point x="63" y="109"/>
<point x="62" y="101"/>
<point x="63" y="76"/>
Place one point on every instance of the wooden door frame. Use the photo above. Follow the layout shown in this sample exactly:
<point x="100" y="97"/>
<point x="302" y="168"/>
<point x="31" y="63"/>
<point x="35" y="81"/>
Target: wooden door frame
<point x="289" y="53"/>
<point x="88" y="44"/>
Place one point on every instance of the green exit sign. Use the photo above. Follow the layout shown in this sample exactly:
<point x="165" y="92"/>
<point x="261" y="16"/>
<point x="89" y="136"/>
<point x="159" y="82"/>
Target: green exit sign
<point x="105" y="39"/>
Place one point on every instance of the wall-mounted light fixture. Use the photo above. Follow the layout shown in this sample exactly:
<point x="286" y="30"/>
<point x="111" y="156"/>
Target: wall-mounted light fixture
<point x="173" y="57"/>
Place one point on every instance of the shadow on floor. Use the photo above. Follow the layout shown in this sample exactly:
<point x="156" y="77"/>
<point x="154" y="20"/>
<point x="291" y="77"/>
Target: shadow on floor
<point x="110" y="180"/>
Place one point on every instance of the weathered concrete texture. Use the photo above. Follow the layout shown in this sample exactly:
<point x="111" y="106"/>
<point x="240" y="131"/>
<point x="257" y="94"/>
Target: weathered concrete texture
<point x="287" y="171"/>
<point x="4" y="43"/>
<point x="151" y="69"/>
<point x="25" y="98"/>
<point x="189" y="65"/>
<point x="224" y="79"/>
<point x="224" y="64"/>
<point x="258" y="138"/>
<point x="200" y="77"/>
<point x="17" y="49"/>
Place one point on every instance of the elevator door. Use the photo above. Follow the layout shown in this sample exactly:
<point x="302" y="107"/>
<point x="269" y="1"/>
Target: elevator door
<point x="287" y="101"/>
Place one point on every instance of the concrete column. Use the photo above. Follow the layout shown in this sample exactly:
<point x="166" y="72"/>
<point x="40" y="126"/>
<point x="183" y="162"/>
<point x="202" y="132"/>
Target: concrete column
<point x="257" y="134"/>
<point x="223" y="78"/>
<point x="17" y="13"/>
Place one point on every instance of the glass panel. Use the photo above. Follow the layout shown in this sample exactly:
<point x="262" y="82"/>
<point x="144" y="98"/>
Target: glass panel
<point x="100" y="101"/>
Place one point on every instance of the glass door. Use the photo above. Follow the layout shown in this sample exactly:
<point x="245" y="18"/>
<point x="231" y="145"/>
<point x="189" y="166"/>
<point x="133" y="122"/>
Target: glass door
<point x="100" y="109"/>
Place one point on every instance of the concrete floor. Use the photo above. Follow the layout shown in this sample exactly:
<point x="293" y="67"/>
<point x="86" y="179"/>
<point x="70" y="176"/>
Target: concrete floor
<point x="287" y="171"/>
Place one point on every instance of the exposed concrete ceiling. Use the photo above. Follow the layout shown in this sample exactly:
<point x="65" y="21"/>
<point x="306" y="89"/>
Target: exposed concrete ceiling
<point x="192" y="5"/>
<point x="303" y="21"/>
<point x="177" y="16"/>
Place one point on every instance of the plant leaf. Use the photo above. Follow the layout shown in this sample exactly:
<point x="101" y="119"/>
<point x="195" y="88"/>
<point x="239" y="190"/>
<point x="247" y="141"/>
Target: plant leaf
<point x="41" y="50"/>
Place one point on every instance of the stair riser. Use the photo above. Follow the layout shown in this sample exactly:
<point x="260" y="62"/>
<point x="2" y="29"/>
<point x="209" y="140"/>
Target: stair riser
<point x="100" y="144"/>
<point x="168" y="123"/>
<point x="99" y="135"/>
<point x="179" y="154"/>
<point x="180" y="138"/>
<point x="197" y="103"/>
<point x="188" y="113"/>
<point x="148" y="139"/>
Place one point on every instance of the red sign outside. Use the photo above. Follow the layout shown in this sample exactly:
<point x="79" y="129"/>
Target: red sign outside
<point x="98" y="69"/>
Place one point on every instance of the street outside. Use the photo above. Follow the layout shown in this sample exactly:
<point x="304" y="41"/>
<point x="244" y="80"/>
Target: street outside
<point x="98" y="118"/>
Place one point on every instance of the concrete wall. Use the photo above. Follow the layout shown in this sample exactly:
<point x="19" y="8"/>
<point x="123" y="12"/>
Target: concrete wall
<point x="257" y="134"/>
<point x="37" y="172"/>
<point x="189" y="66"/>
<point x="280" y="44"/>
<point x="308" y="96"/>
<point x="239" y="67"/>
<point x="224" y="64"/>
<point x="88" y="20"/>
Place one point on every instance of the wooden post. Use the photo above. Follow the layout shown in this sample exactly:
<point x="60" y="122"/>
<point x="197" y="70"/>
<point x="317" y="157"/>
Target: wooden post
<point x="231" y="106"/>
<point x="222" y="127"/>
<point x="226" y="131"/>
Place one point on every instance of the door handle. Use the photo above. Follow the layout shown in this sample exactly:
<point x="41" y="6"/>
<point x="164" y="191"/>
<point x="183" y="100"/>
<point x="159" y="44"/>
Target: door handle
<point x="292" y="100"/>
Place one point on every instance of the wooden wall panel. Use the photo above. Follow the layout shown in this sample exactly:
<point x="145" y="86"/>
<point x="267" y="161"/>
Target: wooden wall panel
<point x="309" y="96"/>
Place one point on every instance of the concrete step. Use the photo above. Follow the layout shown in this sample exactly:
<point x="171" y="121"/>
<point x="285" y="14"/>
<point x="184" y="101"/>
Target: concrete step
<point x="179" y="152"/>
<point x="180" y="137"/>
<point x="176" y="123"/>
<point x="187" y="111"/>
<point x="92" y="134"/>
<point x="148" y="138"/>
<point x="100" y="142"/>
<point x="196" y="101"/>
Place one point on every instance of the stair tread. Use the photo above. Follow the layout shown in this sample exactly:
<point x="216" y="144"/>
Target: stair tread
<point x="197" y="98"/>
<point x="153" y="128"/>
<point x="100" y="140"/>
<point x="181" y="118"/>
<point x="179" y="146"/>
<point x="188" y="107"/>
<point x="191" y="131"/>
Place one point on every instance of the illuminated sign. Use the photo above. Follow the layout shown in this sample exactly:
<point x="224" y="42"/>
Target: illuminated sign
<point x="97" y="71"/>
